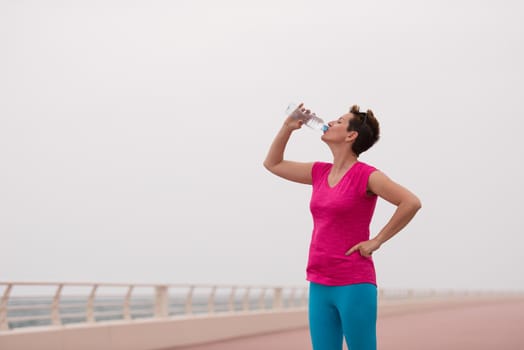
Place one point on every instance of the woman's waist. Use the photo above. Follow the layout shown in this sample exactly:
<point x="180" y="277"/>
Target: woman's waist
<point x="332" y="243"/>
<point x="336" y="255"/>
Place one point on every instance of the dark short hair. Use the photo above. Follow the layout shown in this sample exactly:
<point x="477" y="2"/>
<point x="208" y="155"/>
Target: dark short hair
<point x="367" y="127"/>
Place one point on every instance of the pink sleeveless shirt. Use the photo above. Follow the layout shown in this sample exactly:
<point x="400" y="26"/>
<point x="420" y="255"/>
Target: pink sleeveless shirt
<point x="341" y="218"/>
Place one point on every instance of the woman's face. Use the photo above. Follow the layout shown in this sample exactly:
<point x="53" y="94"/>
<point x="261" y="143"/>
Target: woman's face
<point x="338" y="129"/>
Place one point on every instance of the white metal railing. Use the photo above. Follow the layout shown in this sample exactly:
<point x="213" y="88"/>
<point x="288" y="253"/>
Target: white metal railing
<point x="24" y="305"/>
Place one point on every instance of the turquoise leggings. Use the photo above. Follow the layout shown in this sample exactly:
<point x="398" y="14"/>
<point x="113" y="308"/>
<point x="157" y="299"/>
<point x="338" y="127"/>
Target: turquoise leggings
<point x="337" y="311"/>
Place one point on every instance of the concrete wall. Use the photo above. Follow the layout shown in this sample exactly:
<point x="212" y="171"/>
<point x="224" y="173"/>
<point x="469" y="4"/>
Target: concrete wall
<point x="152" y="334"/>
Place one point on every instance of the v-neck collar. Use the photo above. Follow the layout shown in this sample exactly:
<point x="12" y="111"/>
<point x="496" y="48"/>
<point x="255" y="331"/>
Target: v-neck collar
<point x="343" y="176"/>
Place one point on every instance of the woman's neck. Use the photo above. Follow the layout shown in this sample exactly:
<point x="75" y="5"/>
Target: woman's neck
<point x="343" y="159"/>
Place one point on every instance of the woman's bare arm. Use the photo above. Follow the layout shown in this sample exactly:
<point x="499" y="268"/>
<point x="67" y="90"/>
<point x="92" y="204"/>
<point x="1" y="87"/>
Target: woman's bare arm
<point x="407" y="206"/>
<point x="275" y="163"/>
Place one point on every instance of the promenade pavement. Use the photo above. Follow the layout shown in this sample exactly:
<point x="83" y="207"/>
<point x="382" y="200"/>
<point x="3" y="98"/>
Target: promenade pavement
<point x="490" y="325"/>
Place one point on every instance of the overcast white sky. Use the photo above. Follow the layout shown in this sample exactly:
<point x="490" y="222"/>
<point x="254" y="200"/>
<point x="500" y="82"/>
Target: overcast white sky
<point x="132" y="136"/>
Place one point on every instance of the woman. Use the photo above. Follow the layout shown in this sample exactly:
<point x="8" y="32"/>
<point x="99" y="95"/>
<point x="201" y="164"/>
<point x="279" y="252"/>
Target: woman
<point x="342" y="290"/>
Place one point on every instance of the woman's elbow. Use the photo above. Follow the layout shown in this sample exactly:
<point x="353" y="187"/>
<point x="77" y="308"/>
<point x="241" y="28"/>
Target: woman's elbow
<point x="269" y="166"/>
<point x="411" y="203"/>
<point x="415" y="203"/>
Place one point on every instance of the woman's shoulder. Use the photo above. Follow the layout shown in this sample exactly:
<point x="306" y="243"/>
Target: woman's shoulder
<point x="322" y="165"/>
<point x="366" y="168"/>
<point x="320" y="168"/>
<point x="364" y="165"/>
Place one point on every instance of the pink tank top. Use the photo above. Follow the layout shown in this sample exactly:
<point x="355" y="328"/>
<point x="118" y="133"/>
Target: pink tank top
<point x="341" y="218"/>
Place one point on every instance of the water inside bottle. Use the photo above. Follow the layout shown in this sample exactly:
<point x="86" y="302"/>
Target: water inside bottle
<point x="310" y="120"/>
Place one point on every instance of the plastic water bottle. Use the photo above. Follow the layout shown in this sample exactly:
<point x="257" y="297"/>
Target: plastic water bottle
<point x="310" y="120"/>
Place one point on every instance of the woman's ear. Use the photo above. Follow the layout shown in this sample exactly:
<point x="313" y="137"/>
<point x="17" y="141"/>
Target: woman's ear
<point x="351" y="136"/>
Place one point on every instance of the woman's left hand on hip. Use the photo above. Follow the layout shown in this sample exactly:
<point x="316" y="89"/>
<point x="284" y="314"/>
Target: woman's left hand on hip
<point x="366" y="248"/>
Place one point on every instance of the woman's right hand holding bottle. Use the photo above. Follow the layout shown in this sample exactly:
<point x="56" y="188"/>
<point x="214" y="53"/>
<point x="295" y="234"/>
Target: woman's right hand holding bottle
<point x="296" y="118"/>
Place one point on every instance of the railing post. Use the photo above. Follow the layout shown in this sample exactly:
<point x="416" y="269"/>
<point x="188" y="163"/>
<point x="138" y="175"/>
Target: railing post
<point x="189" y="300"/>
<point x="90" y="309"/>
<point x="127" y="303"/>
<point x="161" y="301"/>
<point x="211" y="300"/>
<point x="55" y="307"/>
<point x="4" y="325"/>
<point x="303" y="300"/>
<point x="231" y="304"/>
<point x="261" y="301"/>
<point x="277" y="298"/>
<point x="292" y="297"/>
<point x="245" y="301"/>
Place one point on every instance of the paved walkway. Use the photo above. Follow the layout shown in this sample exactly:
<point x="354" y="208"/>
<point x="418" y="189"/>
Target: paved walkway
<point x="493" y="325"/>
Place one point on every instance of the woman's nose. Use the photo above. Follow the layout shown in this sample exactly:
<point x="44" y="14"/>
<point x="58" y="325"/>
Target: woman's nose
<point x="330" y="124"/>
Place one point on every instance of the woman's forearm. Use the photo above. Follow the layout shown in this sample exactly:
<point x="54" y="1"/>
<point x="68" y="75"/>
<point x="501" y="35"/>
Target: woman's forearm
<point x="276" y="151"/>
<point x="405" y="211"/>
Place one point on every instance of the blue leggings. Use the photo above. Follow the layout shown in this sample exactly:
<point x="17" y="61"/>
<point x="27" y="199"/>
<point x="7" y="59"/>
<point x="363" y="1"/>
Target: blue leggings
<point x="337" y="311"/>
